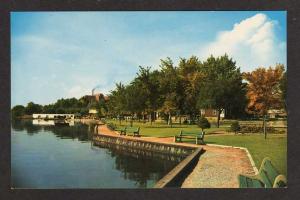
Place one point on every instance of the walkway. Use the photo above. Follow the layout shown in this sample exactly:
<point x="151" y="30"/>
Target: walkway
<point x="218" y="167"/>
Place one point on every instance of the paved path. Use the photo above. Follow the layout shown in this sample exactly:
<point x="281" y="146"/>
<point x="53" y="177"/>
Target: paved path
<point x="218" y="167"/>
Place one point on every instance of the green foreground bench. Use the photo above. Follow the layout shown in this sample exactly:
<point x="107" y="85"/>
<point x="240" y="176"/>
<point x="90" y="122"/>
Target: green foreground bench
<point x="267" y="177"/>
<point x="199" y="138"/>
<point x="126" y="130"/>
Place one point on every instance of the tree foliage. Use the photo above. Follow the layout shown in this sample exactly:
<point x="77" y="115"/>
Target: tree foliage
<point x="263" y="90"/>
<point x="221" y="86"/>
<point x="18" y="111"/>
<point x="203" y="123"/>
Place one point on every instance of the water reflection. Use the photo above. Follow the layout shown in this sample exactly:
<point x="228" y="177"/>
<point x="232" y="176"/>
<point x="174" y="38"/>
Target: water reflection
<point x="151" y="165"/>
<point x="62" y="130"/>
<point x="101" y="166"/>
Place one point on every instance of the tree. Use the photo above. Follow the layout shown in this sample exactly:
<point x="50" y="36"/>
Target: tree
<point x="117" y="101"/>
<point x="170" y="88"/>
<point x="135" y="99"/>
<point x="283" y="88"/>
<point x="264" y="90"/>
<point x="147" y="83"/>
<point x="18" y="111"/>
<point x="203" y="123"/>
<point x="221" y="86"/>
<point x="190" y="77"/>
<point x="33" y="108"/>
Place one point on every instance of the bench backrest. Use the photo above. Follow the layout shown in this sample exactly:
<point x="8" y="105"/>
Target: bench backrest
<point x="268" y="173"/>
<point x="132" y="129"/>
<point x="191" y="133"/>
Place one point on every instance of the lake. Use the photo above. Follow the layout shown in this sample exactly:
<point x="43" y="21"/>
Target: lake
<point x="50" y="156"/>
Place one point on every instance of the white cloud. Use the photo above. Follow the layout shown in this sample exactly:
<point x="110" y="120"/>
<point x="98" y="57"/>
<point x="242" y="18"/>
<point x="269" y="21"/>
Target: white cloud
<point x="251" y="43"/>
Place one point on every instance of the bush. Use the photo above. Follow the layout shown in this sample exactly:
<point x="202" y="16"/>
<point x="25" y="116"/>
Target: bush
<point x="255" y="129"/>
<point x="203" y="123"/>
<point x="235" y="127"/>
<point x="111" y="126"/>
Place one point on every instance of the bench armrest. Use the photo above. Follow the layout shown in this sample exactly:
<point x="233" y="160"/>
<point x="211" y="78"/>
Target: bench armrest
<point x="280" y="181"/>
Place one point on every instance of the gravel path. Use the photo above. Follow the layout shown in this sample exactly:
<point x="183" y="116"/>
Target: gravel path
<point x="219" y="167"/>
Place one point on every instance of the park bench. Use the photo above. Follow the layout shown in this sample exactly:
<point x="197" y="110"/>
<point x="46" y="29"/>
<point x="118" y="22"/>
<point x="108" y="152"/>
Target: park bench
<point x="267" y="177"/>
<point x="134" y="130"/>
<point x="199" y="137"/>
<point x="122" y="130"/>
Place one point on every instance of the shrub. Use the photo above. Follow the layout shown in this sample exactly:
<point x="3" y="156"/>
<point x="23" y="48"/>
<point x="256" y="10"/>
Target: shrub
<point x="235" y="127"/>
<point x="255" y="129"/>
<point x="203" y="123"/>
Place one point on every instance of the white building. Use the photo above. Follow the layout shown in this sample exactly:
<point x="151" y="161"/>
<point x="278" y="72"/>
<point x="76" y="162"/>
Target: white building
<point x="53" y="116"/>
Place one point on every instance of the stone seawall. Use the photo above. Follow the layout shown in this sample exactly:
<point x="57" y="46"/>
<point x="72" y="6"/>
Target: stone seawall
<point x="134" y="143"/>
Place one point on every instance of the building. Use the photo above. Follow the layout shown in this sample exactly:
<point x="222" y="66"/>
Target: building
<point x="96" y="97"/>
<point x="93" y="111"/>
<point x="53" y="116"/>
<point x="212" y="113"/>
<point x="276" y="113"/>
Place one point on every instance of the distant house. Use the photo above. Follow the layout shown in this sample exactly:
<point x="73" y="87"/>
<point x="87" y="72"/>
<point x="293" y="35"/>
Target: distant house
<point x="93" y="111"/>
<point x="275" y="113"/>
<point x="212" y="113"/>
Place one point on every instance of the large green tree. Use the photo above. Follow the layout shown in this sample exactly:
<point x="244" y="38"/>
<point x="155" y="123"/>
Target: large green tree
<point x="190" y="78"/>
<point x="147" y="83"/>
<point x="171" y="89"/>
<point x="221" y="86"/>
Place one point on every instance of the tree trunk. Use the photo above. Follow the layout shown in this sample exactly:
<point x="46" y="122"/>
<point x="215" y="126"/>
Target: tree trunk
<point x="170" y="120"/>
<point x="219" y="114"/>
<point x="180" y="120"/>
<point x="151" y="118"/>
<point x="265" y="128"/>
<point x="131" y="120"/>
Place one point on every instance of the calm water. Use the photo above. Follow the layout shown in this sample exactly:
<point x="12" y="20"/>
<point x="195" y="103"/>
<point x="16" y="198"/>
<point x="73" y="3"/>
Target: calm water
<point x="63" y="157"/>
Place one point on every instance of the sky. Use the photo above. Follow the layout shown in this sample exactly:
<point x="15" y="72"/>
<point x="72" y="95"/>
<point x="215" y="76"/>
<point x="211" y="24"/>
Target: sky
<point x="66" y="54"/>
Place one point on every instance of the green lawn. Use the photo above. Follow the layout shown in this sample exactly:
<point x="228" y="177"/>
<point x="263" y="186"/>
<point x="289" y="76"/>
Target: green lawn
<point x="161" y="129"/>
<point x="275" y="147"/>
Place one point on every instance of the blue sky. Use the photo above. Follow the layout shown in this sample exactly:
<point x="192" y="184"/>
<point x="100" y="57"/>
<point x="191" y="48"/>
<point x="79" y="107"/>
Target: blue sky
<point x="65" y="54"/>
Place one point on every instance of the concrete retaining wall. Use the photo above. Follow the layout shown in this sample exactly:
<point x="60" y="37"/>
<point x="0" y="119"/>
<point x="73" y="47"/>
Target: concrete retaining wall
<point x="176" y="176"/>
<point x="144" y="145"/>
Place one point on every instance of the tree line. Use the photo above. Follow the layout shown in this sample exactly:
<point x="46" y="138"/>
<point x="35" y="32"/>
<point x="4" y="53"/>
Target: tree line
<point x="185" y="89"/>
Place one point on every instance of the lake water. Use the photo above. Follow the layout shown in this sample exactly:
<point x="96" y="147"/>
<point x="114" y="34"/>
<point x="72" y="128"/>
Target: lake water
<point x="48" y="156"/>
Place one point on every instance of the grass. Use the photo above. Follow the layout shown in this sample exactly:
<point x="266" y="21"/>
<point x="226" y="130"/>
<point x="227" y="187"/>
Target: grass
<point x="275" y="146"/>
<point x="161" y="129"/>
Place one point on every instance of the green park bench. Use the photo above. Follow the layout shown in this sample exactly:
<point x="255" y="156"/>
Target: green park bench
<point x="199" y="137"/>
<point x="267" y="177"/>
<point x="122" y="130"/>
<point x="134" y="130"/>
